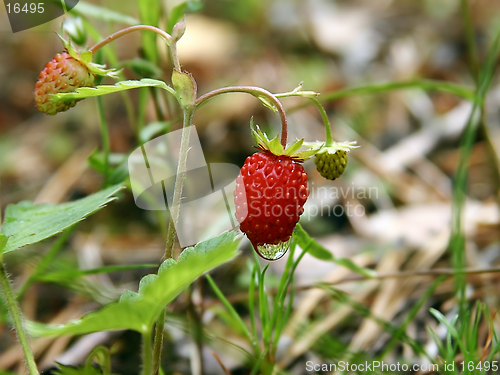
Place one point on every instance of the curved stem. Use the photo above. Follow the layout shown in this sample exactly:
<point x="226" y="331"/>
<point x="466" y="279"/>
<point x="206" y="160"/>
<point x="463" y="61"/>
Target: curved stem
<point x="257" y="92"/>
<point x="166" y="36"/>
<point x="326" y="121"/>
<point x="17" y="319"/>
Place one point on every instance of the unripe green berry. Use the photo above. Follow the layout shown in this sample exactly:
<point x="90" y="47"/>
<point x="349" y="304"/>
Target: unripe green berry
<point x="331" y="165"/>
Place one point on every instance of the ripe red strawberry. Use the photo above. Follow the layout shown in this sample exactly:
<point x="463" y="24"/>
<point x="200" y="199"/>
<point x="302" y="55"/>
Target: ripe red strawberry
<point x="65" y="73"/>
<point x="270" y="193"/>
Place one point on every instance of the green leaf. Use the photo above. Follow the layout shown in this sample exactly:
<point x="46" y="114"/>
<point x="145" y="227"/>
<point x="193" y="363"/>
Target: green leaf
<point x="88" y="92"/>
<point x="179" y="10"/>
<point x="138" y="311"/>
<point x="26" y="223"/>
<point x="94" y="11"/>
<point x="316" y="250"/>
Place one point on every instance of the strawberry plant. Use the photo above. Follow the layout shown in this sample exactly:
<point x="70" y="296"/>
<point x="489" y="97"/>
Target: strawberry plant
<point x="363" y="305"/>
<point x="69" y="78"/>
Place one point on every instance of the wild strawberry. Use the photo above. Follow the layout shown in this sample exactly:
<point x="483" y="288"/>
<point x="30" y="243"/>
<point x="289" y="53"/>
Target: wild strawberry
<point x="331" y="166"/>
<point x="270" y="193"/>
<point x="331" y="161"/>
<point x="66" y="72"/>
<point x="63" y="74"/>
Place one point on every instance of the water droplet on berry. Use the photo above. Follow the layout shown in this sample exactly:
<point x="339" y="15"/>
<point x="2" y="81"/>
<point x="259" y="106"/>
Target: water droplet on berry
<point x="273" y="251"/>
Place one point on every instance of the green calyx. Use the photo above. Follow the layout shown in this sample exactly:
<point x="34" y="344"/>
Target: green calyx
<point x="274" y="145"/>
<point x="334" y="147"/>
<point x="86" y="59"/>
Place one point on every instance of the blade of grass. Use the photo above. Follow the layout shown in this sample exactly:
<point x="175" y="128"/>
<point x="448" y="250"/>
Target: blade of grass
<point x="288" y="311"/>
<point x="457" y="240"/>
<point x="47" y="259"/>
<point x="436" y="339"/>
<point x="280" y="296"/>
<point x="470" y="39"/>
<point x="366" y="312"/>
<point x="452" y="331"/>
<point x="264" y="309"/>
<point x="426" y="84"/>
<point x="256" y="366"/>
<point x="281" y="323"/>
<point x="233" y="313"/>
<point x="251" y="301"/>
<point x="472" y="333"/>
<point x="410" y="316"/>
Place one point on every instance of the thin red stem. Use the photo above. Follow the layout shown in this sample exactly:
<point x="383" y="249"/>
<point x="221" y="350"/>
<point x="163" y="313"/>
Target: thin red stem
<point x="128" y="30"/>
<point x="255" y="91"/>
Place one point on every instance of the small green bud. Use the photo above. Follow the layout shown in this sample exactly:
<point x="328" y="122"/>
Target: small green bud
<point x="179" y="30"/>
<point x="185" y="88"/>
<point x="331" y="161"/>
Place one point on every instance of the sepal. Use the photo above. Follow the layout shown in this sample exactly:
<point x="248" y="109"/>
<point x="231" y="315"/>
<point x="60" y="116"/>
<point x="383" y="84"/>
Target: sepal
<point x="86" y="59"/>
<point x="334" y="147"/>
<point x="274" y="145"/>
